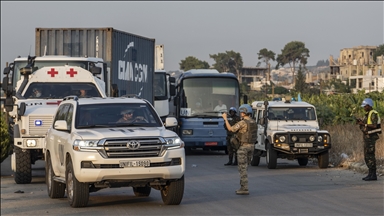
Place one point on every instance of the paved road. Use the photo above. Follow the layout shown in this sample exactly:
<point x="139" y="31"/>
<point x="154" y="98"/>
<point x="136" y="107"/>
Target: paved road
<point x="210" y="190"/>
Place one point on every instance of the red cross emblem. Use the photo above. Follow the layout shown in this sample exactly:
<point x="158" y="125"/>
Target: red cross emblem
<point x="71" y="72"/>
<point x="52" y="72"/>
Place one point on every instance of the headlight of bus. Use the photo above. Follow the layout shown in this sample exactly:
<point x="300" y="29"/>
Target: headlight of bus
<point x="79" y="145"/>
<point x="174" y="143"/>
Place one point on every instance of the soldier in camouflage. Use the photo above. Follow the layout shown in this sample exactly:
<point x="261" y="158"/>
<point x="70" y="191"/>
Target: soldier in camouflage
<point x="371" y="128"/>
<point x="246" y="130"/>
<point x="230" y="146"/>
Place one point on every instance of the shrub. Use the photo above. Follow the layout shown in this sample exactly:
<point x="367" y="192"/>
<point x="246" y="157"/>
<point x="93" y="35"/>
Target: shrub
<point x="5" y="139"/>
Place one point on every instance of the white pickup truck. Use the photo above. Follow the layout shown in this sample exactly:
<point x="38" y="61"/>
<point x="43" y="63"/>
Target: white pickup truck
<point x="96" y="143"/>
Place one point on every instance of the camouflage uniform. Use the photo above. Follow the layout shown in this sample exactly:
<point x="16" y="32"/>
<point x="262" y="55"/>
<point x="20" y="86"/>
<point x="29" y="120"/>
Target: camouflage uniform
<point x="244" y="153"/>
<point x="370" y="141"/>
<point x="230" y="147"/>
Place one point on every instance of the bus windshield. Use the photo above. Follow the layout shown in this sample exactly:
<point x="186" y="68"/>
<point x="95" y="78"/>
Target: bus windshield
<point x="208" y="97"/>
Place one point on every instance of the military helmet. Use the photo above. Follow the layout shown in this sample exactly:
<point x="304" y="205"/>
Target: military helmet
<point x="367" y="101"/>
<point x="245" y="108"/>
<point x="233" y="109"/>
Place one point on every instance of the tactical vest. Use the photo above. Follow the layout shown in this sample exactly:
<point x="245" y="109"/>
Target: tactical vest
<point x="369" y="121"/>
<point x="251" y="135"/>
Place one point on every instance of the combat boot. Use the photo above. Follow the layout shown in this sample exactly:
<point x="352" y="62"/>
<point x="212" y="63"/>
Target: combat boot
<point x="230" y="160"/>
<point x="235" y="163"/>
<point x="369" y="174"/>
<point x="242" y="191"/>
<point x="372" y="177"/>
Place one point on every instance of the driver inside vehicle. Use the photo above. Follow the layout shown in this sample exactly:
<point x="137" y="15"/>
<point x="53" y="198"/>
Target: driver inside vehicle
<point x="127" y="116"/>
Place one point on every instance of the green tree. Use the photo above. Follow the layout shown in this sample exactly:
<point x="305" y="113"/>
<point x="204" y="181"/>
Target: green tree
<point x="300" y="85"/>
<point x="230" y="61"/>
<point x="266" y="56"/>
<point x="293" y="53"/>
<point x="191" y="62"/>
<point x="5" y="139"/>
<point x="378" y="52"/>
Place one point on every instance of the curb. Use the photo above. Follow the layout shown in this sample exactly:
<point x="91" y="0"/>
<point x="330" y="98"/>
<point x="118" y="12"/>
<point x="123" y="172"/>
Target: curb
<point x="361" y="167"/>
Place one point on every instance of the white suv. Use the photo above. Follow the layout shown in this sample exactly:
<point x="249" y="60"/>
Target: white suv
<point x="88" y="149"/>
<point x="289" y="130"/>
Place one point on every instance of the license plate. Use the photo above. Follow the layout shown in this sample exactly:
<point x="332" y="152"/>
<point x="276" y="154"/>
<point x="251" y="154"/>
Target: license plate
<point x="211" y="143"/>
<point x="305" y="145"/>
<point x="141" y="163"/>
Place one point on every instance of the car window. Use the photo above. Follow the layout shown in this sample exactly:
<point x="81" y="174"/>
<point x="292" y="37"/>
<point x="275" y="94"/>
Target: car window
<point x="116" y="114"/>
<point x="69" y="117"/>
<point x="61" y="112"/>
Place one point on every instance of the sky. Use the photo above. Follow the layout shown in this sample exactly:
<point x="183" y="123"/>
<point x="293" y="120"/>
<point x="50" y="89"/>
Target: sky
<point x="206" y="27"/>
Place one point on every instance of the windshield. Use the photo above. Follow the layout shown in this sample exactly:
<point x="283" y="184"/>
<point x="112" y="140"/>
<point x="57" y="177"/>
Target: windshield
<point x="160" y="90"/>
<point x="60" y="90"/>
<point x="41" y="64"/>
<point x="116" y="115"/>
<point x="291" y="113"/>
<point x="207" y="97"/>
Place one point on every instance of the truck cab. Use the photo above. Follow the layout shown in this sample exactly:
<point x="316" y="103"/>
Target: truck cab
<point x="290" y="130"/>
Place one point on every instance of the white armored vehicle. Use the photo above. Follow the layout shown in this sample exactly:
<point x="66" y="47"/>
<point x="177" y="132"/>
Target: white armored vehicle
<point x="33" y="95"/>
<point x="289" y="130"/>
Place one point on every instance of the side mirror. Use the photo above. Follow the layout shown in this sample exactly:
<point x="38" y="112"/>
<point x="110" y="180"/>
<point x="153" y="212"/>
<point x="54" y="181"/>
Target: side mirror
<point x="4" y="84"/>
<point x="8" y="104"/>
<point x="21" y="109"/>
<point x="7" y="70"/>
<point x="61" y="125"/>
<point x="95" y="70"/>
<point x="170" y="122"/>
<point x="172" y="90"/>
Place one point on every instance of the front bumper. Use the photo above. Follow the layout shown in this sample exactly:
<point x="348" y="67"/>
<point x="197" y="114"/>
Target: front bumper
<point x="108" y="169"/>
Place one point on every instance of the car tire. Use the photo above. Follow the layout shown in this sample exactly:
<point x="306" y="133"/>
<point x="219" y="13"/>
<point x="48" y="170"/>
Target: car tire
<point x="142" y="191"/>
<point x="173" y="192"/>
<point x="54" y="189"/>
<point x="323" y="160"/>
<point x="255" y="160"/>
<point x="302" y="161"/>
<point x="23" y="173"/>
<point x="271" y="157"/>
<point x="77" y="192"/>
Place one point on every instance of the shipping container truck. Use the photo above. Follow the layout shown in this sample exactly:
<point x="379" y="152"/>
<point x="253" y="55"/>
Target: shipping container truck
<point x="129" y="58"/>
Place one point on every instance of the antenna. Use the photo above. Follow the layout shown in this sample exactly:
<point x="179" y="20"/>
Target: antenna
<point x="45" y="50"/>
<point x="30" y="47"/>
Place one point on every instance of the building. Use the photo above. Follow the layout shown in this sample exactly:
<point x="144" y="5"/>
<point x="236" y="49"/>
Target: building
<point x="357" y="66"/>
<point x="255" y="77"/>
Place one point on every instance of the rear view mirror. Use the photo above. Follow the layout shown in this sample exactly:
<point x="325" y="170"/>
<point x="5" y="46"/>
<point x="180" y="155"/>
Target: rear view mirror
<point x="21" y="109"/>
<point x="7" y="70"/>
<point x="8" y="104"/>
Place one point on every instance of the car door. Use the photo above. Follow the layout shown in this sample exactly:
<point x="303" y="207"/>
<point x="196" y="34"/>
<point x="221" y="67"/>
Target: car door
<point x="59" y="140"/>
<point x="260" y="130"/>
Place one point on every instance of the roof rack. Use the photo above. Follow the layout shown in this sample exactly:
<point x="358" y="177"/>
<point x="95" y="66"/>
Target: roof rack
<point x="71" y="97"/>
<point x="131" y="96"/>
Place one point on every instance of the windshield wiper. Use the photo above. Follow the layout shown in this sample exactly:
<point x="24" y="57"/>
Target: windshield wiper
<point x="128" y="124"/>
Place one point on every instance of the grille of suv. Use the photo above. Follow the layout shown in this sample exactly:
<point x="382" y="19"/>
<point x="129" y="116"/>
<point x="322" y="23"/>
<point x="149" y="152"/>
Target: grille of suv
<point x="117" y="148"/>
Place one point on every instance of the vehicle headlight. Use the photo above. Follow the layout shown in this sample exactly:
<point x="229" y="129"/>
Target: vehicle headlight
<point x="282" y="138"/>
<point x="294" y="138"/>
<point x="31" y="143"/>
<point x="188" y="132"/>
<point x="174" y="143"/>
<point x="312" y="138"/>
<point x="79" y="145"/>
<point x="319" y="138"/>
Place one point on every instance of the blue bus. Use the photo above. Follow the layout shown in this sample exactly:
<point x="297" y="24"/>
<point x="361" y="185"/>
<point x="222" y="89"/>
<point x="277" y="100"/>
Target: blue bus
<point x="202" y="95"/>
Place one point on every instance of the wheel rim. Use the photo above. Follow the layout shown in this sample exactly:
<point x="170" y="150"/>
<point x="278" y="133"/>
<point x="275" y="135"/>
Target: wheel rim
<point x="70" y="185"/>
<point x="165" y="191"/>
